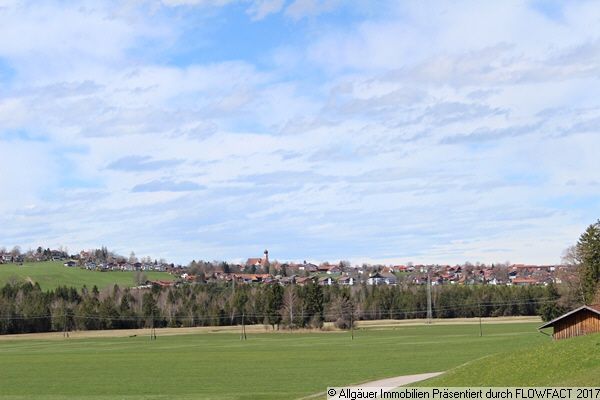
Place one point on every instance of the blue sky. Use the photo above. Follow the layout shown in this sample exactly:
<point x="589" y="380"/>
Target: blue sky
<point x="420" y="131"/>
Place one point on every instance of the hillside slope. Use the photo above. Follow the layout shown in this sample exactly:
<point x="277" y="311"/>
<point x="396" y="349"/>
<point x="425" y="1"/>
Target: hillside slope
<point x="52" y="274"/>
<point x="570" y="362"/>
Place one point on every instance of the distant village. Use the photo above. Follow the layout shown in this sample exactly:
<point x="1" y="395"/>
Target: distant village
<point x="261" y="270"/>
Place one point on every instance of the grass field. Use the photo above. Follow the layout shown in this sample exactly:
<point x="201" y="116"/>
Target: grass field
<point x="220" y="366"/>
<point x="52" y="274"/>
<point x="571" y="362"/>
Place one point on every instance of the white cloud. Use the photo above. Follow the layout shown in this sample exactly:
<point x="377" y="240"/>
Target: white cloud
<point x="12" y="113"/>
<point x="435" y="134"/>
<point x="72" y="42"/>
<point x="299" y="9"/>
<point x="262" y="8"/>
<point x="27" y="172"/>
<point x="211" y="3"/>
<point x="9" y="3"/>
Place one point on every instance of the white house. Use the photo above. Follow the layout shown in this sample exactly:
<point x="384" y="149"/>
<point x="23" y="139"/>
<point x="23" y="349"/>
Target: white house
<point x="346" y="281"/>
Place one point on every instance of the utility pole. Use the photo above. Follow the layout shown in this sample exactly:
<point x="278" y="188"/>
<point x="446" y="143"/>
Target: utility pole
<point x="243" y="334"/>
<point x="153" y="330"/>
<point x="233" y="297"/>
<point x="352" y="320"/>
<point x="292" y="313"/>
<point x="429" y="311"/>
<point x="479" y="306"/>
<point x="66" y="328"/>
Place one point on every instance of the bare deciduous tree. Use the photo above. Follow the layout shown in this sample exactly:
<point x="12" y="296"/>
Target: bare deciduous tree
<point x="290" y="312"/>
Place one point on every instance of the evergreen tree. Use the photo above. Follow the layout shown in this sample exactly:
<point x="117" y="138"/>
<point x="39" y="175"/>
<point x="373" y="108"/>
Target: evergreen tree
<point x="588" y="255"/>
<point x="273" y="304"/>
<point x="108" y="314"/>
<point x="149" y="309"/>
<point x="550" y="309"/>
<point x="238" y="306"/>
<point x="314" y="305"/>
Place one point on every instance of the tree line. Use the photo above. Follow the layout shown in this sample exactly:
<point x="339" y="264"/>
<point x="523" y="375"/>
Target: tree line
<point x="25" y="308"/>
<point x="583" y="287"/>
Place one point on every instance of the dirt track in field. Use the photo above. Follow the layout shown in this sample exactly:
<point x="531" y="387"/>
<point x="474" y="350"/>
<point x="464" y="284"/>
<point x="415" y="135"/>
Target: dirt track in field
<point x="400" y="380"/>
<point x="394" y="382"/>
<point x="328" y="328"/>
<point x="386" y="323"/>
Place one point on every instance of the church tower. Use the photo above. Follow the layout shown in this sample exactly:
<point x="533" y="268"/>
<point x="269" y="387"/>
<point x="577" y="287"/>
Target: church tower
<point x="266" y="258"/>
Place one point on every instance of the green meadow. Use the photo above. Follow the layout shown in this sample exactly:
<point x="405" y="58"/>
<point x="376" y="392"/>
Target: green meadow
<point x="52" y="274"/>
<point x="266" y="366"/>
<point x="570" y="362"/>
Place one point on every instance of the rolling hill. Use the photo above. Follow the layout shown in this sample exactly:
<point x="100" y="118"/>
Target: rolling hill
<point x="570" y="362"/>
<point x="51" y="274"/>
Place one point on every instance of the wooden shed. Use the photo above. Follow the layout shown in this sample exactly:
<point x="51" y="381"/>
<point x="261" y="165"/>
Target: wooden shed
<point x="581" y="321"/>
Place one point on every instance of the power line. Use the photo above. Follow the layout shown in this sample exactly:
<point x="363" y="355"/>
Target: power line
<point x="329" y="315"/>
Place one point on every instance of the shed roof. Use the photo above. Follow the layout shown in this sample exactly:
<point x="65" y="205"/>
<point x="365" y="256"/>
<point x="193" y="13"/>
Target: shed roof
<point x="593" y="308"/>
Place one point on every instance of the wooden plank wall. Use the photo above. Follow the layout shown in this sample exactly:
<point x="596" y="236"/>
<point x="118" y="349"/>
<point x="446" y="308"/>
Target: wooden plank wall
<point x="578" y="324"/>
